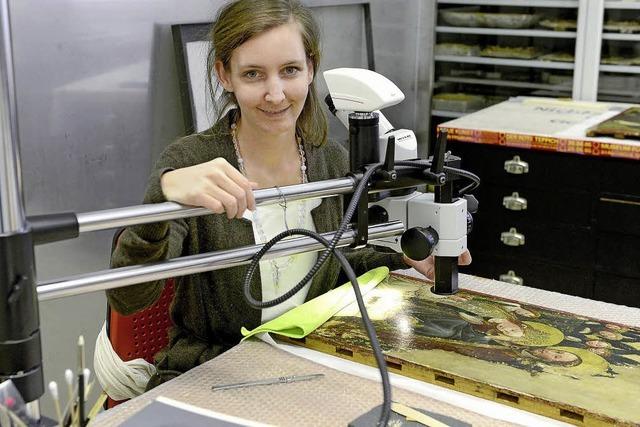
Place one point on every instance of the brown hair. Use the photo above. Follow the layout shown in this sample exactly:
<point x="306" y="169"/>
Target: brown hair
<point x="239" y="21"/>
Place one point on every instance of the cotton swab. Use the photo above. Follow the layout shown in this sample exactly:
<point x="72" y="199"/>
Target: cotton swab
<point x="68" y="376"/>
<point x="53" y="389"/>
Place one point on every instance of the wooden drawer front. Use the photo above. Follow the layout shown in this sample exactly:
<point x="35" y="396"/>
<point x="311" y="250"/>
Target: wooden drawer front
<point x="620" y="176"/>
<point x="552" y="277"/>
<point x="546" y="171"/>
<point x="566" y="246"/>
<point x="617" y="289"/>
<point x="619" y="254"/>
<point x="619" y="214"/>
<point x="542" y="207"/>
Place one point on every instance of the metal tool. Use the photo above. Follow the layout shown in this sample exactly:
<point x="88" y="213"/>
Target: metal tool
<point x="268" y="381"/>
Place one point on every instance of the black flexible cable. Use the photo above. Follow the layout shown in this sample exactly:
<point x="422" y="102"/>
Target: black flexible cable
<point x="331" y="246"/>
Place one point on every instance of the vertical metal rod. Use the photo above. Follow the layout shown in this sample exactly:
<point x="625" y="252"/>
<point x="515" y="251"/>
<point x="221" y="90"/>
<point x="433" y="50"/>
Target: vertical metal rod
<point x="19" y="322"/>
<point x="12" y="216"/>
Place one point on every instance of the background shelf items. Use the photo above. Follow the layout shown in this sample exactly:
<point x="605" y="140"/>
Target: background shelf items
<point x="497" y="49"/>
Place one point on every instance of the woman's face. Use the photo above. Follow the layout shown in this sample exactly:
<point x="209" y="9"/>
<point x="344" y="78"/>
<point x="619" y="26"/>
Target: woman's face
<point x="524" y="312"/>
<point x="269" y="76"/>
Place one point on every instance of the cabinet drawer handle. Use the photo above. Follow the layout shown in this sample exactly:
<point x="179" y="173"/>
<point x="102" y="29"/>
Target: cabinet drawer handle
<point x="511" y="277"/>
<point x="514" y="202"/>
<point x="516" y="166"/>
<point x="512" y="237"/>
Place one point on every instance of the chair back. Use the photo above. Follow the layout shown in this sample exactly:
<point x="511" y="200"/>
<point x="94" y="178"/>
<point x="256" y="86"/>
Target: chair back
<point x="142" y="334"/>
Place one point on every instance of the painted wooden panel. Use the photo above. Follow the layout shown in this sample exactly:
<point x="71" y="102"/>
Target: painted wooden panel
<point x="572" y="368"/>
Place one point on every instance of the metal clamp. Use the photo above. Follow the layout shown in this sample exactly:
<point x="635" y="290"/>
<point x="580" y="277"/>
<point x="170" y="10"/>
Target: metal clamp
<point x="514" y="202"/>
<point x="516" y="166"/>
<point x="512" y="237"/>
<point x="511" y="277"/>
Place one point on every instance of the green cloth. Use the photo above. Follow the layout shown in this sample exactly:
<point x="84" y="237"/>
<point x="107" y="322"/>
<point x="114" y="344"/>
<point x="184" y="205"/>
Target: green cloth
<point x="304" y="319"/>
<point x="209" y="308"/>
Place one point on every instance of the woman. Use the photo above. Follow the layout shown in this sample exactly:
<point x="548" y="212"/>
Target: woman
<point x="266" y="58"/>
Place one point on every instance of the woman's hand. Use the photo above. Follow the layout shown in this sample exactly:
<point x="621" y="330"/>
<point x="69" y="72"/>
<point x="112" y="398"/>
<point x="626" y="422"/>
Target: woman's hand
<point x="215" y="185"/>
<point x="427" y="265"/>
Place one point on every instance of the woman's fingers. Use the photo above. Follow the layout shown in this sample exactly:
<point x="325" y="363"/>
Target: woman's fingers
<point x="427" y="265"/>
<point x="232" y="194"/>
<point x="209" y="202"/>
<point x="215" y="185"/>
<point x="236" y="184"/>
<point x="465" y="258"/>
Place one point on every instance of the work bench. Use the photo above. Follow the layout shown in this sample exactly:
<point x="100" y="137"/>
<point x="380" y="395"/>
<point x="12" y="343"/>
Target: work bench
<point x="348" y="389"/>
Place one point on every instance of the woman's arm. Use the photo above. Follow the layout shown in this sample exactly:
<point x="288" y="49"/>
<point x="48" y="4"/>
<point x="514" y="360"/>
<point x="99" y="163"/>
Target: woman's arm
<point x="147" y="243"/>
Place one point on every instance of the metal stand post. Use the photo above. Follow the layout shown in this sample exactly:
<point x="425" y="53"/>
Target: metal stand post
<point x="20" y="347"/>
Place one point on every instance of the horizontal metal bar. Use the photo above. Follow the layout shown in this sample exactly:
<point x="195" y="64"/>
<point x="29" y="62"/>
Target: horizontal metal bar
<point x="143" y="214"/>
<point x="125" y="276"/>
<point x="522" y="3"/>
<point x="631" y="69"/>
<point x="486" y="60"/>
<point x="507" y="32"/>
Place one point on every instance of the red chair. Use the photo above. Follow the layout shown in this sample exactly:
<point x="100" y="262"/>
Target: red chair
<point x="142" y="334"/>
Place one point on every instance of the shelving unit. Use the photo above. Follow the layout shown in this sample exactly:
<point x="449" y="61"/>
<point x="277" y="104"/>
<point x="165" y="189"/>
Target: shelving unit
<point x="498" y="78"/>
<point x="587" y="78"/>
<point x="625" y="78"/>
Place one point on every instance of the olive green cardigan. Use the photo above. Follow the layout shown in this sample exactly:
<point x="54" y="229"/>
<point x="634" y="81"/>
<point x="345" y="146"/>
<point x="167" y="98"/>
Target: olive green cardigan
<point x="209" y="308"/>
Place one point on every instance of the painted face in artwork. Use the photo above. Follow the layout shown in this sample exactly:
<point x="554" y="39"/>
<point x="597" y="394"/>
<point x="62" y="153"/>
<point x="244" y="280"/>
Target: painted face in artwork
<point x="524" y="312"/>
<point x="270" y="76"/>
<point x="555" y="356"/>
<point x="610" y="335"/>
<point x="597" y="344"/>
<point x="508" y="328"/>
<point x="459" y="298"/>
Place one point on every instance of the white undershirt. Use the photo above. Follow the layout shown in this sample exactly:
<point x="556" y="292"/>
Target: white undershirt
<point x="291" y="269"/>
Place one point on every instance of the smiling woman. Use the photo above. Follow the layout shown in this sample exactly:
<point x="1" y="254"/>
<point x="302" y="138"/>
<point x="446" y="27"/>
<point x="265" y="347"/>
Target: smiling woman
<point x="270" y="131"/>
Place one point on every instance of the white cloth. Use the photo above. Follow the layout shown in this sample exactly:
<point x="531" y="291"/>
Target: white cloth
<point x="270" y="221"/>
<point x="119" y="379"/>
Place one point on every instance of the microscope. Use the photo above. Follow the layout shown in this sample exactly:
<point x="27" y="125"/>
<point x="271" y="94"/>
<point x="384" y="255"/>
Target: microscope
<point x="436" y="223"/>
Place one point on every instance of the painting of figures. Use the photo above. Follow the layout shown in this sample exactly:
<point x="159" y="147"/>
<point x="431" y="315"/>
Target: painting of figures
<point x="577" y="369"/>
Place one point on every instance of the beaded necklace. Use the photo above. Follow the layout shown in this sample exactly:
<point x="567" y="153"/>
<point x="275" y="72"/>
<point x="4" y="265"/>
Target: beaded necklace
<point x="275" y="267"/>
